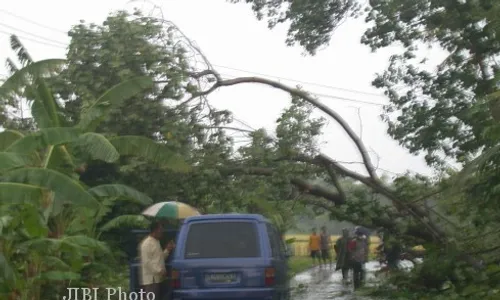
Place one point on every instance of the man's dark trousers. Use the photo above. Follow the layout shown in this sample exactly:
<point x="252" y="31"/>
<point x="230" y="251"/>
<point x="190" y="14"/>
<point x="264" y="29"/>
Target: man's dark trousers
<point x="345" y="273"/>
<point x="154" y="288"/>
<point x="358" y="274"/>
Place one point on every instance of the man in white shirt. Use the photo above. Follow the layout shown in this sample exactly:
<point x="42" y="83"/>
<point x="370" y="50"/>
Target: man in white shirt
<point x="153" y="272"/>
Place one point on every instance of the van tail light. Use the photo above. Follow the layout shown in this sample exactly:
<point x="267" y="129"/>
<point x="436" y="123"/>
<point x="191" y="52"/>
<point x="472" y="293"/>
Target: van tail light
<point x="270" y="278"/>
<point x="176" y="279"/>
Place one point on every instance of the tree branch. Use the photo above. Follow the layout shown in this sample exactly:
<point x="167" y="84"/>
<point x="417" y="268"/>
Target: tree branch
<point x="229" y="128"/>
<point x="299" y="93"/>
<point x="335" y="181"/>
<point x="417" y="212"/>
<point x="301" y="184"/>
<point x="389" y="223"/>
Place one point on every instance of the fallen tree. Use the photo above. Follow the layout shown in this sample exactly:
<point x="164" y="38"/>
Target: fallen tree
<point x="334" y="168"/>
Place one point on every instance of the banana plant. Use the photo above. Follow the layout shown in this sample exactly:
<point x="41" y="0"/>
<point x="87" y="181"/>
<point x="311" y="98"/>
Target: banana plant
<point x="40" y="192"/>
<point x="44" y="158"/>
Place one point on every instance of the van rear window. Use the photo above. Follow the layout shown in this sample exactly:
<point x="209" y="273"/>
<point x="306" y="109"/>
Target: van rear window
<point x="222" y="240"/>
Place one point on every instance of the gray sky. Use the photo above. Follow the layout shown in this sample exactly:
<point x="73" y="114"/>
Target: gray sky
<point x="232" y="39"/>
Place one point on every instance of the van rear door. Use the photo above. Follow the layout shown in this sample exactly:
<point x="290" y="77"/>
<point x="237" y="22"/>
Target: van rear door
<point x="279" y="260"/>
<point x="222" y="254"/>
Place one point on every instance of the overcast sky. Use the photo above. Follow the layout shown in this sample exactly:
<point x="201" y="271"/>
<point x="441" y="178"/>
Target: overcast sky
<point x="234" y="40"/>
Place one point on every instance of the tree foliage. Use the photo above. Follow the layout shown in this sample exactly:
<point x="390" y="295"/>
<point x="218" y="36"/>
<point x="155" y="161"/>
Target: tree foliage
<point x="447" y="98"/>
<point x="429" y="111"/>
<point x="311" y="22"/>
<point x="101" y="56"/>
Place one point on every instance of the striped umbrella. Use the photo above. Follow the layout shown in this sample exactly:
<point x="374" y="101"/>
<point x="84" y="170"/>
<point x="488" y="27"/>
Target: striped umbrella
<point x="171" y="210"/>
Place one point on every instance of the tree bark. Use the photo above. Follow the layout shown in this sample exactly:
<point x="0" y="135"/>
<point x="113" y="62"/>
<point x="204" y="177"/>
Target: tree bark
<point x="302" y="184"/>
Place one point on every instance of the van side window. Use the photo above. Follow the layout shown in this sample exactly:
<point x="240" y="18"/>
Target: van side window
<point x="274" y="241"/>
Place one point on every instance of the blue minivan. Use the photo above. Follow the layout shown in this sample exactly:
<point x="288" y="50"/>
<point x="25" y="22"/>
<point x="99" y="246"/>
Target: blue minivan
<point x="229" y="256"/>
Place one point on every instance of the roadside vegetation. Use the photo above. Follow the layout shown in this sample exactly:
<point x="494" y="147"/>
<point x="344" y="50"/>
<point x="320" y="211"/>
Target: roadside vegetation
<point x="299" y="264"/>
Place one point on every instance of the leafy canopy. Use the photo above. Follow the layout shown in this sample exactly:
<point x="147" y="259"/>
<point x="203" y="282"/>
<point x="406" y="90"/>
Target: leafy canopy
<point x="430" y="112"/>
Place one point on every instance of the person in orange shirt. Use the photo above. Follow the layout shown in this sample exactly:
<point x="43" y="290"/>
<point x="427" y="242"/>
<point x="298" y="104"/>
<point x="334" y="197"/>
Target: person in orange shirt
<point x="315" y="246"/>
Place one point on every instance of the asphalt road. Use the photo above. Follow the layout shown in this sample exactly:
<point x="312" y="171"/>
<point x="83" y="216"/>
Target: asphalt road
<point x="326" y="283"/>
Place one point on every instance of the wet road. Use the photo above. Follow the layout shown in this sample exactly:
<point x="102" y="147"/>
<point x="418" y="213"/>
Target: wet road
<point x="325" y="283"/>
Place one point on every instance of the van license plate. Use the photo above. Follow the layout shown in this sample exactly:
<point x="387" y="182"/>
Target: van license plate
<point x="221" y="278"/>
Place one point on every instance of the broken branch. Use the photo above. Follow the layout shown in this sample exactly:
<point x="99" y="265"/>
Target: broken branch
<point x="301" y="184"/>
<point x="299" y="93"/>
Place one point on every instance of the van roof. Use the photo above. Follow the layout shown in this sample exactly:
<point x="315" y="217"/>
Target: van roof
<point x="230" y="216"/>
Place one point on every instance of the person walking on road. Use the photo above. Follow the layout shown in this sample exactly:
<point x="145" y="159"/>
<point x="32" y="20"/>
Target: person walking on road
<point x="359" y="254"/>
<point x="325" y="246"/>
<point x="342" y="254"/>
<point x="314" y="247"/>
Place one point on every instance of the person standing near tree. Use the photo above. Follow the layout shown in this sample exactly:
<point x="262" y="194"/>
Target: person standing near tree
<point x="392" y="251"/>
<point x="315" y="246"/>
<point x="153" y="272"/>
<point x="358" y="247"/>
<point x="325" y="246"/>
<point x="343" y="255"/>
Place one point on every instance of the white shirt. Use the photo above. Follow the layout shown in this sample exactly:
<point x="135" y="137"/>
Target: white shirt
<point x="152" y="261"/>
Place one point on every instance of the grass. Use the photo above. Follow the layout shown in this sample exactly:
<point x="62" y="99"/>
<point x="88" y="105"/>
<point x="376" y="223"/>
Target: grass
<point x="298" y="264"/>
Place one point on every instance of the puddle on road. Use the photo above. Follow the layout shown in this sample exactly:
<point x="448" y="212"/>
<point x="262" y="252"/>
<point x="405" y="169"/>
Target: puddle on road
<point x="304" y="277"/>
<point x="326" y="283"/>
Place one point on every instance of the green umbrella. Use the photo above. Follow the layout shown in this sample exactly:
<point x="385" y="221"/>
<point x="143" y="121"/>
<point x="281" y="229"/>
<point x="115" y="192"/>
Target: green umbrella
<point x="171" y="210"/>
